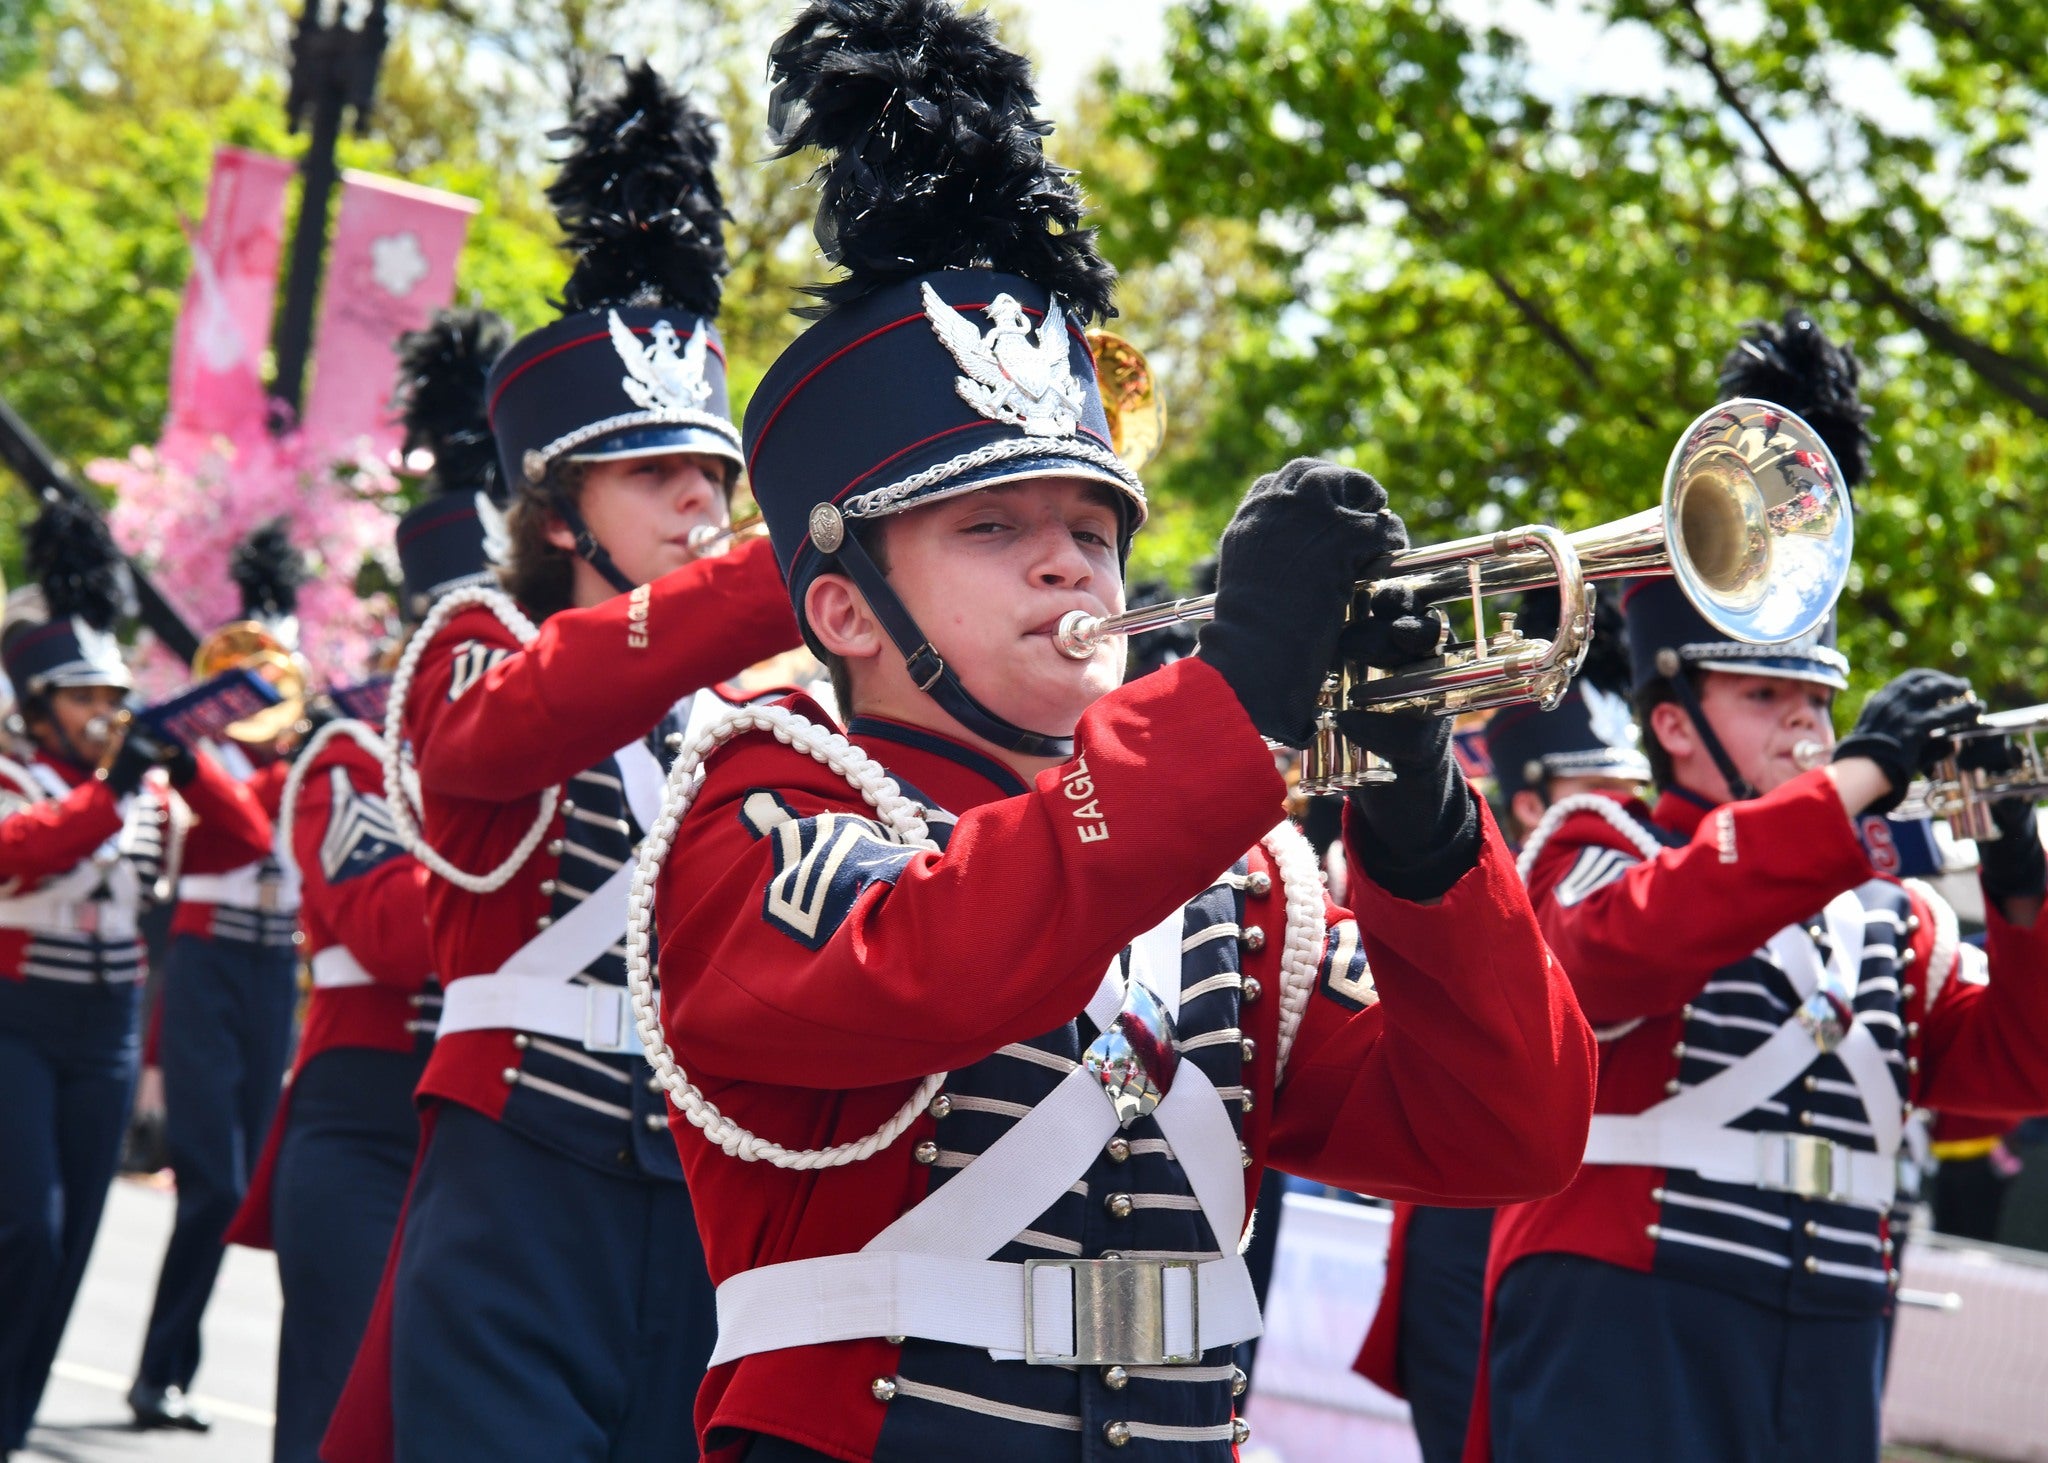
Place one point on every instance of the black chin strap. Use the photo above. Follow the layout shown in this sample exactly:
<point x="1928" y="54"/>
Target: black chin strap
<point x="931" y="674"/>
<point x="589" y="549"/>
<point x="1739" y="789"/>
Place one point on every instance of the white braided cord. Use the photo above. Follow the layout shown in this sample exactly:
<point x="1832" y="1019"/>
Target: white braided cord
<point x="1301" y="956"/>
<point x="685" y="779"/>
<point x="1948" y="939"/>
<point x="398" y="762"/>
<point x="880" y="501"/>
<point x="288" y="803"/>
<point x="1600" y="806"/>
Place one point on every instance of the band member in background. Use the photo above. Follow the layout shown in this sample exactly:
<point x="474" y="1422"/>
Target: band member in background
<point x="87" y="829"/>
<point x="548" y="1298"/>
<point x="994" y="979"/>
<point x="229" y="990"/>
<point x="332" y="1182"/>
<point x="1713" y="1286"/>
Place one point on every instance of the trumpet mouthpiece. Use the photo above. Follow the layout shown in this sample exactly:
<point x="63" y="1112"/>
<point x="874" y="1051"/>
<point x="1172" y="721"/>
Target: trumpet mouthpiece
<point x="1810" y="755"/>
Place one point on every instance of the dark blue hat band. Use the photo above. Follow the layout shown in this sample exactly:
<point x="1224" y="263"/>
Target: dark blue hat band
<point x="1590" y="733"/>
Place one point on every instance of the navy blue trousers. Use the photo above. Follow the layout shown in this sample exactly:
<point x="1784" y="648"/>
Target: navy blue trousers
<point x="350" y="1138"/>
<point x="1443" y="1302"/>
<point x="1589" y="1360"/>
<point x="226" y="1038"/>
<point x="542" y="1308"/>
<point x="68" y="1058"/>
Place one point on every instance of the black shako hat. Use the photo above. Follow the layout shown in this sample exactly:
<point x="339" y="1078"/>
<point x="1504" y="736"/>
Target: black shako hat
<point x="634" y="368"/>
<point x="1795" y="365"/>
<point x="1591" y="732"/>
<point x="67" y="639"/>
<point x="453" y="538"/>
<point x="951" y="356"/>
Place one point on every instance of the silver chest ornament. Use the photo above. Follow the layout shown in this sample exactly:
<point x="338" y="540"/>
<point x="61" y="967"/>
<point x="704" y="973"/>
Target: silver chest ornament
<point x="1135" y="1059"/>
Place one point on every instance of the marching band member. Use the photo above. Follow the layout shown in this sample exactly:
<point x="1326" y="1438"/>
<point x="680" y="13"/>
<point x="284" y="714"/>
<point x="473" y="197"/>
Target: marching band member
<point x="87" y="830"/>
<point x="547" y="1298"/>
<point x="1714" y="1284"/>
<point x="1424" y="1342"/>
<point x="902" y="963"/>
<point x="230" y="987"/>
<point x="332" y="1182"/>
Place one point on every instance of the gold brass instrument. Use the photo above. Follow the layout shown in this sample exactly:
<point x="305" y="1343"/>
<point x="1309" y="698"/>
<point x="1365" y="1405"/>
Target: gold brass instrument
<point x="1964" y="795"/>
<point x="247" y="645"/>
<point x="1131" y="398"/>
<point x="1754" y="523"/>
<point x="109" y="732"/>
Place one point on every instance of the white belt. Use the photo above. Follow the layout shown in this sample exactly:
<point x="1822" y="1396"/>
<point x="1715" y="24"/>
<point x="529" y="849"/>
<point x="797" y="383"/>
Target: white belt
<point x="108" y="922"/>
<point x="1785" y="1163"/>
<point x="336" y="969"/>
<point x="597" y="1016"/>
<point x="237" y="890"/>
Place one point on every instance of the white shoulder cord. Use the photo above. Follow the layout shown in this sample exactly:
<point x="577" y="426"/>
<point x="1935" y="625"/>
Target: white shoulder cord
<point x="896" y="812"/>
<point x="398" y="761"/>
<point x="1606" y="808"/>
<point x="23" y="779"/>
<point x="295" y="780"/>
<point x="1301" y="957"/>
<point x="1948" y="939"/>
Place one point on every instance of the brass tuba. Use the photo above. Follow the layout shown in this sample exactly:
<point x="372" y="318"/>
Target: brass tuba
<point x="1131" y="398"/>
<point x="247" y="645"/>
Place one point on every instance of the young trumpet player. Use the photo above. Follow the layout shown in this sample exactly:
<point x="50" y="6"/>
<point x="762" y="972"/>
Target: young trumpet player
<point x="999" y="1000"/>
<point x="1713" y="1286"/>
<point x="88" y="829"/>
<point x="547" y="1265"/>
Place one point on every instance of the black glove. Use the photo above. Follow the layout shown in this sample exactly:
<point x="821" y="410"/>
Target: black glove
<point x="1300" y="540"/>
<point x="2012" y="865"/>
<point x="1419" y="834"/>
<point x="132" y="763"/>
<point x="1904" y="727"/>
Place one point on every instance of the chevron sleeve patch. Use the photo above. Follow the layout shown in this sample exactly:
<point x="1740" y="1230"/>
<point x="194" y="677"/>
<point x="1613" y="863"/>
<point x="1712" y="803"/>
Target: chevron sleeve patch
<point x="471" y="662"/>
<point x="822" y="865"/>
<point x="360" y="834"/>
<point x="1596" y="869"/>
<point x="1346" y="978"/>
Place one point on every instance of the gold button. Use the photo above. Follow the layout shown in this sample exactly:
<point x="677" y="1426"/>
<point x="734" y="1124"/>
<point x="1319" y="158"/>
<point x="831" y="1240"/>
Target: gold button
<point x="521" y="1040"/>
<point x="548" y="886"/>
<point x="1245" y="1102"/>
<point x="1119" y="1206"/>
<point x="1671" y="1087"/>
<point x="1907" y="957"/>
<point x="1115" y="1378"/>
<point x="1249" y="1047"/>
<point x="942" y="1106"/>
<point x="1811" y="1084"/>
<point x="1657" y="1194"/>
<point x="884" y="1389"/>
<point x="554" y="848"/>
<point x="1118" y="1150"/>
<point x="1252" y="989"/>
<point x="1811" y="1227"/>
<point x="567" y="807"/>
<point x="1240" y="1431"/>
<point x="656" y="1122"/>
<point x="1254" y="938"/>
<point x="926" y="1152"/>
<point x="1912" y="1029"/>
<point x="543" y="922"/>
<point x="654" y="1084"/>
<point x="1244" y="1156"/>
<point x="1913" y="1066"/>
<point x="511" y="1076"/>
<point x="1238" y="1381"/>
<point x="1812" y="1265"/>
<point x="1679" y="1050"/>
<point x="1912" y="923"/>
<point x="1118" y="1433"/>
<point x="1806" y="1120"/>
<point x="1260" y="884"/>
<point x="1907" y="992"/>
<point x="893" y="1340"/>
<point x="1685" y="1013"/>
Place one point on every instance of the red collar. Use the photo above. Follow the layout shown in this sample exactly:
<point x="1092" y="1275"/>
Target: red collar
<point x="71" y="772"/>
<point x="1681" y="811"/>
<point x="953" y="775"/>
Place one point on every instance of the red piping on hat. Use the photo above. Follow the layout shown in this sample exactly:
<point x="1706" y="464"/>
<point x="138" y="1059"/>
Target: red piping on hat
<point x="569" y="345"/>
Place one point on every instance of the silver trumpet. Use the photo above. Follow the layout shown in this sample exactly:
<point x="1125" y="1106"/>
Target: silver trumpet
<point x="1964" y="795"/>
<point x="1754" y="522"/>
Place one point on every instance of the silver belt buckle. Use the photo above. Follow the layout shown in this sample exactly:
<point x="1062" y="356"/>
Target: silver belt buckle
<point x="1119" y="1313"/>
<point x="606" y="1024"/>
<point x="1809" y="1168"/>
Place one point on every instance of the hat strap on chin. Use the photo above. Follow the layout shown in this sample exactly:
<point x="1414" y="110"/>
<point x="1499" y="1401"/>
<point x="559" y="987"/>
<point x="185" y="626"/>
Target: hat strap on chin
<point x="588" y="549"/>
<point x="931" y="674"/>
<point x="1739" y="789"/>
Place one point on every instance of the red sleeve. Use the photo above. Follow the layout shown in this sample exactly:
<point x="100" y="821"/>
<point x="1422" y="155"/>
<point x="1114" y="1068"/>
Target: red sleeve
<point x="1470" y="1079"/>
<point x="266" y="784"/>
<point x="231" y="828"/>
<point x="874" y="963"/>
<point x="1983" y="1046"/>
<point x="1644" y="942"/>
<point x="380" y="914"/>
<point x="593" y="679"/>
<point x="51" y="836"/>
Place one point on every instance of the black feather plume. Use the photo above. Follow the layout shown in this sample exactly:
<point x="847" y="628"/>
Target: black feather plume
<point x="71" y="554"/>
<point x="937" y="153"/>
<point x="1607" y="664"/>
<point x="1799" y="368"/>
<point x="640" y="203"/>
<point x="442" y="374"/>
<point x="268" y="570"/>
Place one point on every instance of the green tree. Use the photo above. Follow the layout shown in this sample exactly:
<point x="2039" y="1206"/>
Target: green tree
<point x="1507" y="304"/>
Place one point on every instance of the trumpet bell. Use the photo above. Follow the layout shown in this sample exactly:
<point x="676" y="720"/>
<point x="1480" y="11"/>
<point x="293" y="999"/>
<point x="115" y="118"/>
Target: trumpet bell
<point x="247" y="645"/>
<point x="1758" y="523"/>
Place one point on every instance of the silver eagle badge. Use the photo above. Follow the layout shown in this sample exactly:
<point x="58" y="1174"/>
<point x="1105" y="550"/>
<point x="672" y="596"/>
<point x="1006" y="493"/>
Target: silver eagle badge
<point x="659" y="378"/>
<point x="1009" y="376"/>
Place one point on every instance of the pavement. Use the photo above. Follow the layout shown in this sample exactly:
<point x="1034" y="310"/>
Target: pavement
<point x="84" y="1416"/>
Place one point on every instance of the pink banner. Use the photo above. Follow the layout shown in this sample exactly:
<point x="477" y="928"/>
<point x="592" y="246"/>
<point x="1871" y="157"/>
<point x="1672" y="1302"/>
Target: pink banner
<point x="217" y="387"/>
<point x="392" y="265"/>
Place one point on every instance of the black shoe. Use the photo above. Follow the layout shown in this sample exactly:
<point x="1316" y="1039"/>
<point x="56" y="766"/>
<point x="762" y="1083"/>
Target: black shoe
<point x="156" y="1407"/>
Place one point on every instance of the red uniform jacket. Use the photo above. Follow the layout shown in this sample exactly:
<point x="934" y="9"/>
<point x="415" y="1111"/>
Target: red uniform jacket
<point x="366" y="894"/>
<point x="1479" y="1090"/>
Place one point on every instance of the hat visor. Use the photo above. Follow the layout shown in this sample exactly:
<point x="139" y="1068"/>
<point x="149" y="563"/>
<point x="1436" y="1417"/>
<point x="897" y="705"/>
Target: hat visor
<point x="1789" y="668"/>
<point x="1616" y="762"/>
<point x="1051" y="464"/>
<point x="84" y="677"/>
<point x="658" y="441"/>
